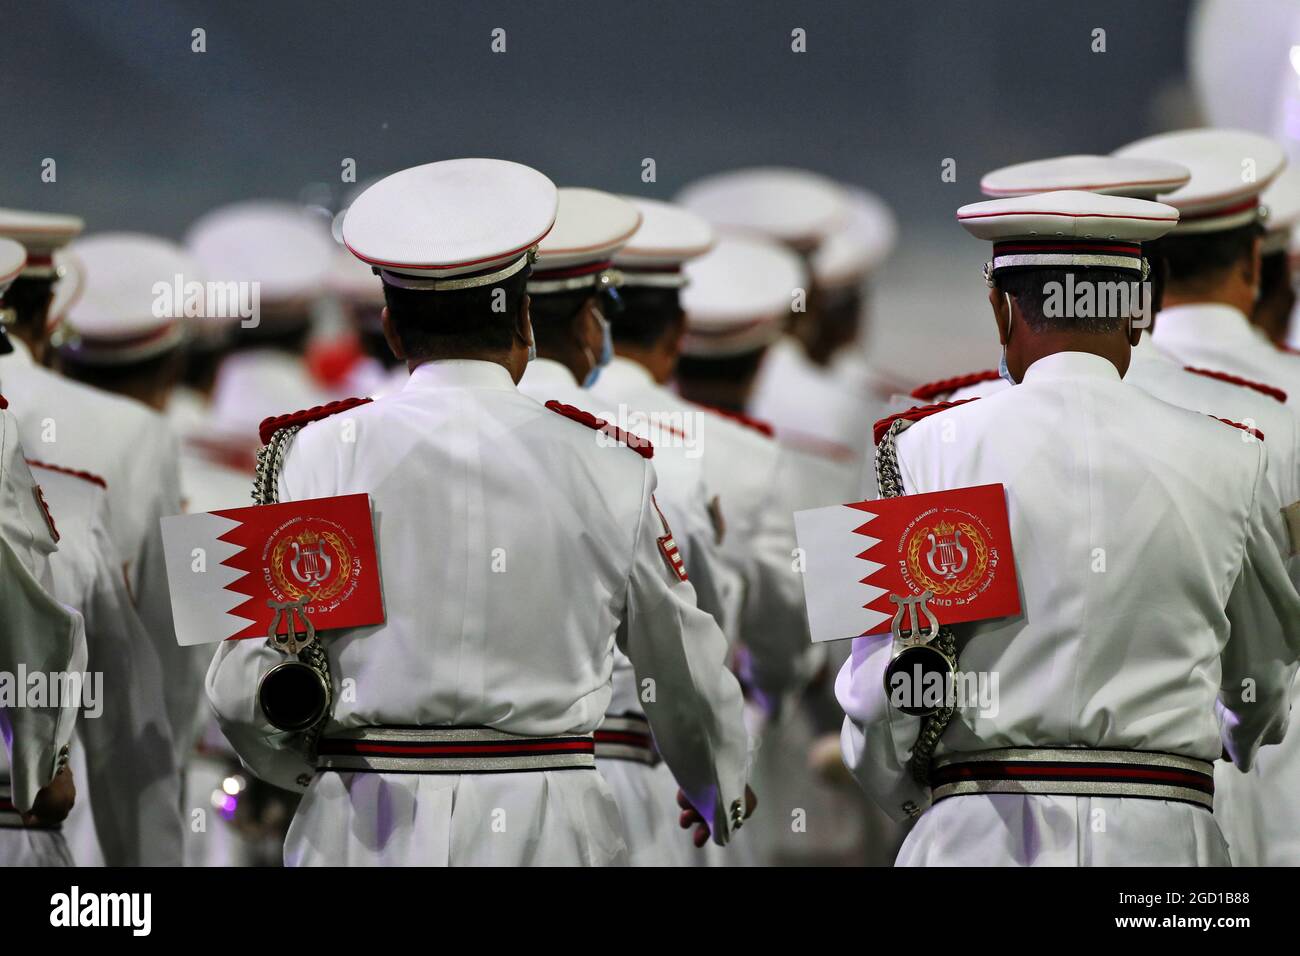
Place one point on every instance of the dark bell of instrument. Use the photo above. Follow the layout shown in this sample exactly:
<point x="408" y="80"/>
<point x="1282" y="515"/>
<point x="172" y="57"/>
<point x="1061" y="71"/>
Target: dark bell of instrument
<point x="294" y="696"/>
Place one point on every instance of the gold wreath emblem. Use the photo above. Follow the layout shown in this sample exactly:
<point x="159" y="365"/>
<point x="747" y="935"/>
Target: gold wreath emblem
<point x="973" y="574"/>
<point x="328" y="588"/>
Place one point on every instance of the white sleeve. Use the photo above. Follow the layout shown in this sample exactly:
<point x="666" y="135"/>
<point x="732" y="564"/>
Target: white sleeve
<point x="268" y="753"/>
<point x="41" y="636"/>
<point x="695" y="710"/>
<point x="877" y="739"/>
<point x="1259" y="659"/>
<point x="132" y="774"/>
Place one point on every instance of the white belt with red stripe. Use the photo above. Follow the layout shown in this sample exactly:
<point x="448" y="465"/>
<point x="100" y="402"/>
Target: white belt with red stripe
<point x="451" y="750"/>
<point x="1076" y="772"/>
<point x="626" y="737"/>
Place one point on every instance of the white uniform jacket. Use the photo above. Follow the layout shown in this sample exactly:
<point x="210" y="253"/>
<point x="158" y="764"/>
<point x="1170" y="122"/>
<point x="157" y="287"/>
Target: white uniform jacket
<point x="39" y="636"/>
<point x="132" y="783"/>
<point x="68" y="424"/>
<point x="513" y="545"/>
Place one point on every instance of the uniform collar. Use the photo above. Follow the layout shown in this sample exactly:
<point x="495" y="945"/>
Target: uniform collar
<point x="625" y="373"/>
<point x="460" y="373"/>
<point x="1204" y="323"/>
<point x="1147" y="351"/>
<point x="1061" y="365"/>
<point x="548" y="373"/>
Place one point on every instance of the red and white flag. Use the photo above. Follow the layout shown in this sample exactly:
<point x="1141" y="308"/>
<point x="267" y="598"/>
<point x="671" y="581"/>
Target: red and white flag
<point x="955" y="544"/>
<point x="224" y="566"/>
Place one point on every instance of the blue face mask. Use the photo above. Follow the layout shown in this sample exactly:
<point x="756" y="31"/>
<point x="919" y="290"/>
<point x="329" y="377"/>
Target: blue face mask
<point x="606" y="351"/>
<point x="1002" y="364"/>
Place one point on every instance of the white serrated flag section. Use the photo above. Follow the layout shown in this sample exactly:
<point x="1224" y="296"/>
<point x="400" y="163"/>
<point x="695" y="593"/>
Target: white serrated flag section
<point x="833" y="590"/>
<point x="197" y="580"/>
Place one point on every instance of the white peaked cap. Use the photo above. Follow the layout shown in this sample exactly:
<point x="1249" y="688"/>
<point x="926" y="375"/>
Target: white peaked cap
<point x="668" y="237"/>
<point x="281" y="246"/>
<point x="132" y="298"/>
<point x="853" y="251"/>
<point x="458" y="223"/>
<point x="793" y="206"/>
<point x="1067" y="229"/>
<point x="41" y="234"/>
<point x="1131" y="176"/>
<point x="1229" y="169"/>
<point x="590" y="227"/>
<point x="739" y="295"/>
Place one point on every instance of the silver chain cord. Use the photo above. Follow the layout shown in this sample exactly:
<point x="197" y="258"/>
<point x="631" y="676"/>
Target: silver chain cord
<point x="266" y="491"/>
<point x="889" y="479"/>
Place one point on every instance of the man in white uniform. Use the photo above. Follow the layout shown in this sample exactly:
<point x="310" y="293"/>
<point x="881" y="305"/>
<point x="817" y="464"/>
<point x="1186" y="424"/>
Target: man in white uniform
<point x="39" y="634"/>
<point x="569" y="294"/>
<point x="1215" y="274"/>
<point x="515" y="543"/>
<point x="128" y="807"/>
<point x="275" y="255"/>
<point x="72" y="425"/>
<point x="1158" y="626"/>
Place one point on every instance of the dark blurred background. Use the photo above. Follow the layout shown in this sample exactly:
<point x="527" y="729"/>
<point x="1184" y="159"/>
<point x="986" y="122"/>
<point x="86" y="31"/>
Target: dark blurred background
<point x="147" y="134"/>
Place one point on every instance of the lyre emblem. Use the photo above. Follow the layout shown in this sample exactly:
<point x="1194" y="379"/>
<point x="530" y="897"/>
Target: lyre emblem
<point x="310" y="566"/>
<point x="911" y="603"/>
<point x="947" y="556"/>
<point x="292" y="640"/>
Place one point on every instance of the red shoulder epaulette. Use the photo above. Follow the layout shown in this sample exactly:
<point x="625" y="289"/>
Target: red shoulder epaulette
<point x="271" y="425"/>
<point x="755" y="424"/>
<point x="931" y="389"/>
<point x="75" y="473"/>
<point x="1274" y="393"/>
<point x="1246" y="428"/>
<point x="638" y="444"/>
<point x="915" y="414"/>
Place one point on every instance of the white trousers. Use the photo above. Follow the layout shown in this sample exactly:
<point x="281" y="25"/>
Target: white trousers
<point x="647" y="802"/>
<point x="22" y="847"/>
<point x="1018" y="830"/>
<point x="548" y="818"/>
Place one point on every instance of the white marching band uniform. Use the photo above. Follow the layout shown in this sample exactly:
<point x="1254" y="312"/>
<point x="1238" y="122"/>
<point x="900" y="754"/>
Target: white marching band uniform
<point x="42" y="636"/>
<point x="128" y="798"/>
<point x="465" y="650"/>
<point x="1096" y="661"/>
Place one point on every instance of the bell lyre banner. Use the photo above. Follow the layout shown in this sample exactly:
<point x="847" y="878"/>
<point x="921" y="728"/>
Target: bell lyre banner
<point x="955" y="544"/>
<point x="224" y="568"/>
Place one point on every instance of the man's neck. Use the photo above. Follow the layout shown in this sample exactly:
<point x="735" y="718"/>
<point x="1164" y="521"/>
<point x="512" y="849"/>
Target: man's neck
<point x="1240" y="299"/>
<point x="653" y="360"/>
<point x="1113" y="347"/>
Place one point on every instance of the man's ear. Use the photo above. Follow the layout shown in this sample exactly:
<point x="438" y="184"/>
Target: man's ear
<point x="390" y="335"/>
<point x="1001" y="315"/>
<point x="1254" y="264"/>
<point x="523" y="322"/>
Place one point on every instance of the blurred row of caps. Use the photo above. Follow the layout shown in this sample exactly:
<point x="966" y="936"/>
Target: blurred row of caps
<point x="739" y="245"/>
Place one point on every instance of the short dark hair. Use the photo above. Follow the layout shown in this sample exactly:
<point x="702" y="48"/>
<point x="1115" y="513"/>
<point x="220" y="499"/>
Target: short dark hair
<point x="1200" y="258"/>
<point x="552" y="313"/>
<point x="1274" y="273"/>
<point x="1031" y="287"/>
<point x="729" y="368"/>
<point x="155" y="371"/>
<point x="645" y="315"/>
<point x="457" y="322"/>
<point x="30" y="297"/>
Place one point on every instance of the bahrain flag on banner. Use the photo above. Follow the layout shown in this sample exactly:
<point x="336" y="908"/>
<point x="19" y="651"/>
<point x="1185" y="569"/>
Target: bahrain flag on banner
<point x="224" y="566"/>
<point x="955" y="544"/>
